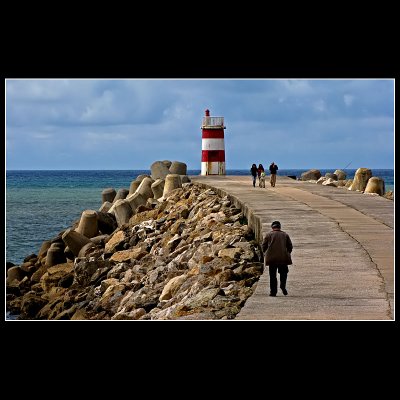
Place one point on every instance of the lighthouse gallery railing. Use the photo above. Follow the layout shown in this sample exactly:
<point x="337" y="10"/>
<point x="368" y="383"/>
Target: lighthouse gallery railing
<point x="212" y="121"/>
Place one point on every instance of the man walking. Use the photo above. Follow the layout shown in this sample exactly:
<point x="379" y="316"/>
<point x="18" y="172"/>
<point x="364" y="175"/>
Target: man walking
<point x="273" y="168"/>
<point x="277" y="248"/>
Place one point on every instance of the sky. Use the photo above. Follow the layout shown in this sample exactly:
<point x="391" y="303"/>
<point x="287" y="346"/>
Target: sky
<point x="130" y="123"/>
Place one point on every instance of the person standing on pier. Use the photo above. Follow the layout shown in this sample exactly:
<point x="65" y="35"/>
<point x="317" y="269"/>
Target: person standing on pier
<point x="277" y="248"/>
<point x="273" y="168"/>
<point x="259" y="170"/>
<point x="253" y="171"/>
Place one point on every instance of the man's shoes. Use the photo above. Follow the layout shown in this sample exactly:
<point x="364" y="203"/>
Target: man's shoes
<point x="273" y="295"/>
<point x="284" y="291"/>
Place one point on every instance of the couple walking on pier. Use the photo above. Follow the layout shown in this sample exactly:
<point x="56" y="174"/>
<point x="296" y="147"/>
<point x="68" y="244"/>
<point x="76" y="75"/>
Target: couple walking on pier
<point x="261" y="174"/>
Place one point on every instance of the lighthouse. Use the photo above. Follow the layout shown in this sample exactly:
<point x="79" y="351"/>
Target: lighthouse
<point x="212" y="145"/>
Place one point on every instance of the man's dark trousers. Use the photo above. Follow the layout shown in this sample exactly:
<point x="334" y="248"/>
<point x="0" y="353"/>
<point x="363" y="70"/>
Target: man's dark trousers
<point x="273" y="283"/>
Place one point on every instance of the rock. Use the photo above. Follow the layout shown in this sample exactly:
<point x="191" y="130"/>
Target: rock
<point x="85" y="250"/>
<point x="30" y="257"/>
<point x="375" y="185"/>
<point x="9" y="265"/>
<point x="31" y="304"/>
<point x="331" y="176"/>
<point x="118" y="238"/>
<point x="83" y="269"/>
<point x="341" y="175"/>
<point x="329" y="182"/>
<point x="167" y="163"/>
<point x="172" y="287"/>
<point x="310" y="174"/>
<point x="360" y="180"/>
<point x="128" y="255"/>
<point x="54" y="274"/>
<point x="389" y="195"/>
<point x="15" y="273"/>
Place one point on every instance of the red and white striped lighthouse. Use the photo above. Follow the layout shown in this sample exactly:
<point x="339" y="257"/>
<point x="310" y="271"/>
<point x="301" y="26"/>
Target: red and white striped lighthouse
<point x="212" y="145"/>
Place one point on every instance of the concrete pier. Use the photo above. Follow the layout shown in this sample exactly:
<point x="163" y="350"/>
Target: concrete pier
<point x="343" y="255"/>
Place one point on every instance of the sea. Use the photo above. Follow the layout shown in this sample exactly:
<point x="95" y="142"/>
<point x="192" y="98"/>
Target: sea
<point x="41" y="204"/>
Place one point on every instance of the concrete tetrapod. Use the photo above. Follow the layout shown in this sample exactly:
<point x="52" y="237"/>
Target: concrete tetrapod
<point x="108" y="195"/>
<point x="178" y="167"/>
<point x="74" y="240"/>
<point x="158" y="188"/>
<point x="172" y="181"/>
<point x="55" y="255"/>
<point x="134" y="185"/>
<point x="88" y="224"/>
<point x="122" y="212"/>
<point x="145" y="188"/>
<point x="121" y="194"/>
<point x="135" y="200"/>
<point x="159" y="170"/>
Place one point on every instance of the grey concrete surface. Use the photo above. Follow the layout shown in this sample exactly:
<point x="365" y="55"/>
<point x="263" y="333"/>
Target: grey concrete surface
<point x="343" y="255"/>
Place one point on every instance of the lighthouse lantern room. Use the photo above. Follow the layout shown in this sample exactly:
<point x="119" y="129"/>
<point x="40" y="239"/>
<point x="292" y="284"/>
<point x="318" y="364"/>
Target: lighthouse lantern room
<point x="212" y="145"/>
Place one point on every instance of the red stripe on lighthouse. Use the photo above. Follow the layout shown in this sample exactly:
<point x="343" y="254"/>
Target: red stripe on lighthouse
<point x="213" y="134"/>
<point x="213" y="156"/>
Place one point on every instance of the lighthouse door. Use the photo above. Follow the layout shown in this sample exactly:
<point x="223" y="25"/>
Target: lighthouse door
<point x="212" y="165"/>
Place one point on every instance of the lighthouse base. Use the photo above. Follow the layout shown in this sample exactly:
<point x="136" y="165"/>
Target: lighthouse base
<point x="213" y="168"/>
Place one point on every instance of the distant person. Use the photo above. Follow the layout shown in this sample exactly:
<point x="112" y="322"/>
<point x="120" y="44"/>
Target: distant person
<point x="259" y="170"/>
<point x="273" y="168"/>
<point x="277" y="248"/>
<point x="253" y="171"/>
<point x="262" y="180"/>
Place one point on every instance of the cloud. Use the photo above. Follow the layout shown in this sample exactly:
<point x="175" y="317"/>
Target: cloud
<point x="119" y="123"/>
<point x="348" y="99"/>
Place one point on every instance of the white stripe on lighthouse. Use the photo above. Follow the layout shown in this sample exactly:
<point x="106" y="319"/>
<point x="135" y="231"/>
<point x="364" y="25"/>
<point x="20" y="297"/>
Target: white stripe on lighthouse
<point x="212" y="144"/>
<point x="213" y="168"/>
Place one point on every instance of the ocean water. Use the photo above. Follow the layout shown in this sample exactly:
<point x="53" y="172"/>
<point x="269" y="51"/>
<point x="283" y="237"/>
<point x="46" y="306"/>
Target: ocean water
<point x="41" y="204"/>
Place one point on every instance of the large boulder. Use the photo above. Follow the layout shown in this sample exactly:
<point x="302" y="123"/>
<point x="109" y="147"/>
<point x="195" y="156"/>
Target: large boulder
<point x="360" y="179"/>
<point x="311" y="174"/>
<point x="341" y="175"/>
<point x="54" y="275"/>
<point x="375" y="185"/>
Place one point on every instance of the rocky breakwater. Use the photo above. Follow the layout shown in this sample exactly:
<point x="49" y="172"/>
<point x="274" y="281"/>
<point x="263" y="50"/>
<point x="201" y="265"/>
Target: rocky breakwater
<point x="188" y="254"/>
<point x="363" y="181"/>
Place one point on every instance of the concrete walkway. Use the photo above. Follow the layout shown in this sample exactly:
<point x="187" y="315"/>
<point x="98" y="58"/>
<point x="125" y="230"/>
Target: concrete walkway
<point x="343" y="255"/>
